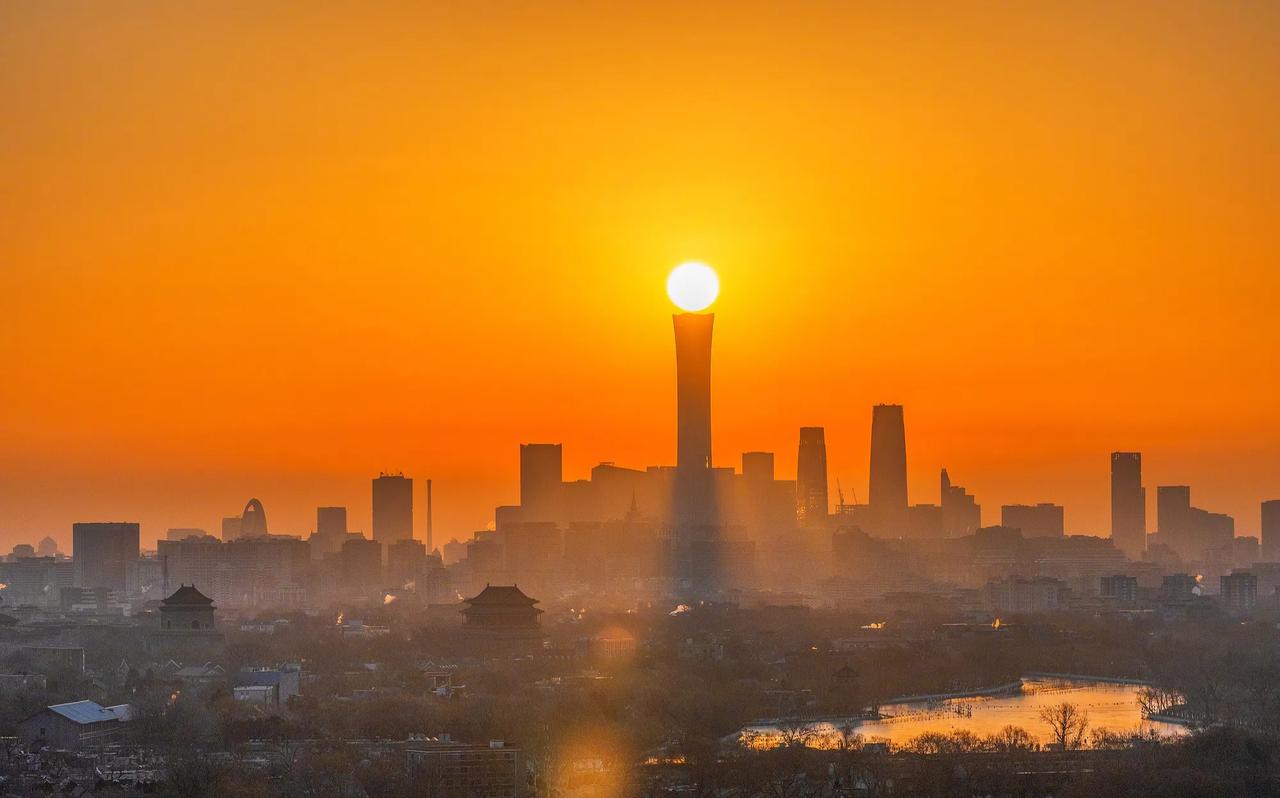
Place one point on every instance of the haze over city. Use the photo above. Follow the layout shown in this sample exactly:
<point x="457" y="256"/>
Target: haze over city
<point x="273" y="253"/>
<point x="639" y="399"/>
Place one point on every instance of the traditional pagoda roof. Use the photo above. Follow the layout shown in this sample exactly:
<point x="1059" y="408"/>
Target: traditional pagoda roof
<point x="187" y="596"/>
<point x="501" y="596"/>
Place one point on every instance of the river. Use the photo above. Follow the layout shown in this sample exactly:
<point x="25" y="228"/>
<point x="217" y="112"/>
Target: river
<point x="1113" y="707"/>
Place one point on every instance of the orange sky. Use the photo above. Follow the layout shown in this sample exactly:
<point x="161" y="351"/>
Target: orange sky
<point x="269" y="249"/>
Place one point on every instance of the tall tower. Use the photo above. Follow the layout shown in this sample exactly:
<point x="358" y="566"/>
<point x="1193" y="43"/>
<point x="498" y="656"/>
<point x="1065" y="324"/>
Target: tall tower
<point x="1271" y="530"/>
<point x="101" y="553"/>
<point x="253" y="521"/>
<point x="694" y="502"/>
<point x="541" y="478"/>
<point x="887" y="496"/>
<point x="1128" y="504"/>
<point x="811" y="478"/>
<point x="392" y="508"/>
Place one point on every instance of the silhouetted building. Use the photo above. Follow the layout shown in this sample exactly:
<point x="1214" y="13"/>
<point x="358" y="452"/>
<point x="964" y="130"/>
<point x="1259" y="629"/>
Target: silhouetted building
<point x="541" y="475"/>
<point x="1035" y="520"/>
<point x="961" y="514"/>
<point x="253" y="521"/>
<point x="362" y="564"/>
<point x="1179" y="587"/>
<point x="182" y="533"/>
<point x="693" y="500"/>
<point x="887" y="496"/>
<point x="1189" y="531"/>
<point x="811" y="478"/>
<point x="102" y="553"/>
<point x="231" y="527"/>
<point x="187" y="610"/>
<point x="1239" y="591"/>
<point x="1024" y="596"/>
<point x="406" y="563"/>
<point x="331" y="521"/>
<point x="392" y="508"/>
<point x="1120" y="588"/>
<point x="1271" y="530"/>
<point x="502" y="610"/>
<point x="757" y="467"/>
<point x="1128" y="504"/>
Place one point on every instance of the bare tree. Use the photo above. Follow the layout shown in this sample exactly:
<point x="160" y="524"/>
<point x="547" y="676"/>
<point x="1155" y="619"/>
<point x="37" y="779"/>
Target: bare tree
<point x="795" y="732"/>
<point x="1010" y="739"/>
<point x="1067" y="725"/>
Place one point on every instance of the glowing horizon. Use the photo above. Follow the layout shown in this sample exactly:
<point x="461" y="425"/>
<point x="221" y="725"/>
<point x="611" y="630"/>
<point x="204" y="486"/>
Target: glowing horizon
<point x="273" y="254"/>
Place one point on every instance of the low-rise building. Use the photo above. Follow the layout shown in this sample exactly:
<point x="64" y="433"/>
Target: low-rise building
<point x="73" y="725"/>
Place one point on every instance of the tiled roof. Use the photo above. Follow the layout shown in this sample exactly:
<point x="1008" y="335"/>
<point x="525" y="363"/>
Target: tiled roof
<point x="187" y="595"/>
<point x="507" y="595"/>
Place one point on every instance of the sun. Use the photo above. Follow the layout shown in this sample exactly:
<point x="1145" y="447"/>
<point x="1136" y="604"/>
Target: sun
<point x="693" y="286"/>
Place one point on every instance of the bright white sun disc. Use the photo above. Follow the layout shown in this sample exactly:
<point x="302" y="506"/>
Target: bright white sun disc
<point x="693" y="286"/>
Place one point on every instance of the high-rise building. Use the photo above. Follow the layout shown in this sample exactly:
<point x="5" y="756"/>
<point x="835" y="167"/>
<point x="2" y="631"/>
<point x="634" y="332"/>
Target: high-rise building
<point x="694" y="500"/>
<point x="231" y="527"/>
<point x="1271" y="530"/>
<point x="1128" y="504"/>
<point x="331" y="521"/>
<point x="392" y="508"/>
<point x="812" y="504"/>
<point x="1190" y="531"/>
<point x="887" y="496"/>
<point x="541" y="478"/>
<point x="1239" y="590"/>
<point x="961" y="514"/>
<point x="253" y="521"/>
<point x="1042" y="520"/>
<point x="757" y="467"/>
<point x="362" y="563"/>
<point x="102" y="553"/>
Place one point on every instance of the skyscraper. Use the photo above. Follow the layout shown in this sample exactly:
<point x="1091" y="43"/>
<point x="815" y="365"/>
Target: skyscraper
<point x="961" y="514"/>
<point x="253" y="521"/>
<point x="331" y="521"/>
<point x="887" y="497"/>
<point x="1271" y="530"/>
<point x="757" y="467"/>
<point x="541" y="479"/>
<point x="101" y="553"/>
<point x="811" y="477"/>
<point x="392" y="508"/>
<point x="693" y="499"/>
<point x="1128" y="504"/>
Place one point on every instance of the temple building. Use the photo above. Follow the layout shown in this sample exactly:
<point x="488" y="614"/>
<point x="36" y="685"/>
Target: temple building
<point x="502" y="610"/>
<point x="187" y="624"/>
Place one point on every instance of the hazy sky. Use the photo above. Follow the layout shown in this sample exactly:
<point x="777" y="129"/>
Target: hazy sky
<point x="270" y="249"/>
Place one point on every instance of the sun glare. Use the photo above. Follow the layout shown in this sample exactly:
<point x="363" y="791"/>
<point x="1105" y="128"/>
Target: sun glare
<point x="693" y="286"/>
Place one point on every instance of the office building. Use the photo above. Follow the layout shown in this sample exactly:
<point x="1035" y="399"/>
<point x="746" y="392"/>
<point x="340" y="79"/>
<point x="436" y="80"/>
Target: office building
<point x="362" y="564"/>
<point x="757" y="467"/>
<point x="392" y="508"/>
<point x="693" y="500"/>
<point x="1190" y="531"/>
<point x="102" y="553"/>
<point x="331" y="521"/>
<point x="1271" y="530"/>
<point x="887" y="497"/>
<point x="812" y="504"/>
<point x="1121" y="588"/>
<point x="541" y="475"/>
<point x="253" y="521"/>
<point x="231" y="527"/>
<point x="1239" y="591"/>
<point x="961" y="514"/>
<point x="1035" y="520"/>
<point x="1128" y="504"/>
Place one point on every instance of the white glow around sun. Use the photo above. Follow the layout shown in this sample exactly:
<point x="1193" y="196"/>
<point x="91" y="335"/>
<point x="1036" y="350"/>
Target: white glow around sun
<point x="693" y="286"/>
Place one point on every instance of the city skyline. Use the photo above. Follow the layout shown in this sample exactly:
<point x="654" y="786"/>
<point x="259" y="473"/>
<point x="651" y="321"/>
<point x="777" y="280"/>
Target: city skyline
<point x="355" y="314"/>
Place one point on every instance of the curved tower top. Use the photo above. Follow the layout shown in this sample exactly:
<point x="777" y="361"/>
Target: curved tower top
<point x="253" y="520"/>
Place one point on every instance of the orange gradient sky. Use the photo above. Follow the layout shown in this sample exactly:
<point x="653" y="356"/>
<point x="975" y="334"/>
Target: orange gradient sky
<point x="270" y="249"/>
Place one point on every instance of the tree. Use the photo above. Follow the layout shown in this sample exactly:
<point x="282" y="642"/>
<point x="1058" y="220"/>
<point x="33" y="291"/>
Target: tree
<point x="1011" y="739"/>
<point x="1067" y="725"/>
